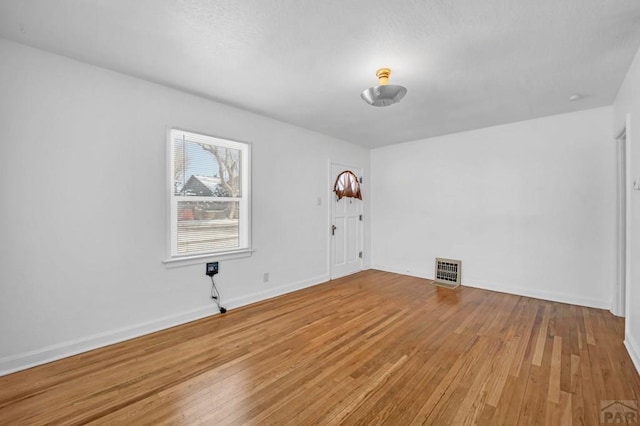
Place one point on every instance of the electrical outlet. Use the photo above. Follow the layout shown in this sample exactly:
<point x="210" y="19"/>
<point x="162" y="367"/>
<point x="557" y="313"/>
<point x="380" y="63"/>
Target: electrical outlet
<point x="265" y="277"/>
<point x="212" y="268"/>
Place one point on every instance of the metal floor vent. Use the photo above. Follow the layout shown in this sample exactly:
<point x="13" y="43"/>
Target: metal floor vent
<point x="448" y="272"/>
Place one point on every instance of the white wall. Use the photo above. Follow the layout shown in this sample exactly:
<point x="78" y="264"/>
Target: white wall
<point x="628" y="104"/>
<point x="83" y="222"/>
<point x="528" y="207"/>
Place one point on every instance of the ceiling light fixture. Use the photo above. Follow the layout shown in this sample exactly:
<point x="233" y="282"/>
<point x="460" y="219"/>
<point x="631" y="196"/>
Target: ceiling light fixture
<point x="384" y="94"/>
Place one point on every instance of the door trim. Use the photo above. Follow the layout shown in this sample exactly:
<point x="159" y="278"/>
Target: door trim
<point x="628" y="221"/>
<point x="618" y="296"/>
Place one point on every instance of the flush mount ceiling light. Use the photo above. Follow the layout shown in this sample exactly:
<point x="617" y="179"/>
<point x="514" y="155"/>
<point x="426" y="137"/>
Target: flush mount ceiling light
<point x="384" y="94"/>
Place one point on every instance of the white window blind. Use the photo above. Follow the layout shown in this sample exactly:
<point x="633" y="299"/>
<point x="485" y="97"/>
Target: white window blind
<point x="209" y="194"/>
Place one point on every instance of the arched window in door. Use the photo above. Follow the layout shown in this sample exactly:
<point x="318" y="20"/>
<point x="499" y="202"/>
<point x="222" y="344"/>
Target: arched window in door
<point x="347" y="185"/>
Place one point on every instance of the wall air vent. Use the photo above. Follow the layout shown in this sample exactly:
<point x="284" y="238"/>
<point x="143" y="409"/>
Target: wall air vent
<point x="448" y="272"/>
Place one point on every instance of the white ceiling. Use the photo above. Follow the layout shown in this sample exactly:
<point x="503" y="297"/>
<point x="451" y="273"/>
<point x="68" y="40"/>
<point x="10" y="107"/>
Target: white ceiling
<point x="467" y="64"/>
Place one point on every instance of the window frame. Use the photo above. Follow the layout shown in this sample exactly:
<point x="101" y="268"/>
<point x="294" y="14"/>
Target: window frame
<point x="244" y="200"/>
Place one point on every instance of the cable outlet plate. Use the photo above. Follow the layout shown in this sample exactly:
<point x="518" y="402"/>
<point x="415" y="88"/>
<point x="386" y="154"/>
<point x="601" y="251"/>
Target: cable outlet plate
<point x="212" y="268"/>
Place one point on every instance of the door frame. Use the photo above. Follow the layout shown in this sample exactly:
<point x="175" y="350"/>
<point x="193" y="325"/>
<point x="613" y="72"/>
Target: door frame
<point x="330" y="200"/>
<point x="620" y="293"/>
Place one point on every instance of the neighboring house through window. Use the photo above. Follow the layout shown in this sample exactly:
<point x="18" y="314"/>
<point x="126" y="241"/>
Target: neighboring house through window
<point x="209" y="195"/>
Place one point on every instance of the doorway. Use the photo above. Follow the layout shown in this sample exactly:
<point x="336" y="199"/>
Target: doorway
<point x="346" y="231"/>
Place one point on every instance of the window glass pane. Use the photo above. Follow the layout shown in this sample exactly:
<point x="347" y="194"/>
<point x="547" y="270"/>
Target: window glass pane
<point x="206" y="170"/>
<point x="207" y="226"/>
<point x="208" y="187"/>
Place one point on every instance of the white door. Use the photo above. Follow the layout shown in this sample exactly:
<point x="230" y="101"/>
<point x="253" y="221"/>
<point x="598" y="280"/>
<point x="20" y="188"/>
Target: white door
<point x="346" y="229"/>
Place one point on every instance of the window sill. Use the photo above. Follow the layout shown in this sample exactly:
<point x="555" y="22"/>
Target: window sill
<point x="178" y="262"/>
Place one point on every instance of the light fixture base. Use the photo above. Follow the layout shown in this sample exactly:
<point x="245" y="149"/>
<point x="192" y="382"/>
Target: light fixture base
<point x="383" y="76"/>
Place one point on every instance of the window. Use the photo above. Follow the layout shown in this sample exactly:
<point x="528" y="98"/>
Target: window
<point x="209" y="194"/>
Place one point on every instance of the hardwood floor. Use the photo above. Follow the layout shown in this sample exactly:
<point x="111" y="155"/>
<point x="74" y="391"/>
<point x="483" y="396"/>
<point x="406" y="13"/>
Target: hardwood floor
<point x="371" y="348"/>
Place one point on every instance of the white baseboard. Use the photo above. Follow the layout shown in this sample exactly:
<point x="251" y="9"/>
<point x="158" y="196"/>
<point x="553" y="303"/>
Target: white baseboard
<point x="536" y="294"/>
<point x="634" y="351"/>
<point x="55" y="352"/>
<point x="47" y="354"/>
<point x="402" y="272"/>
<point x="274" y="292"/>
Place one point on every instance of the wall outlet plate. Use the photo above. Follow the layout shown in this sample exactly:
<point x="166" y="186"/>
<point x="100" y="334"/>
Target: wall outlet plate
<point x="212" y="268"/>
